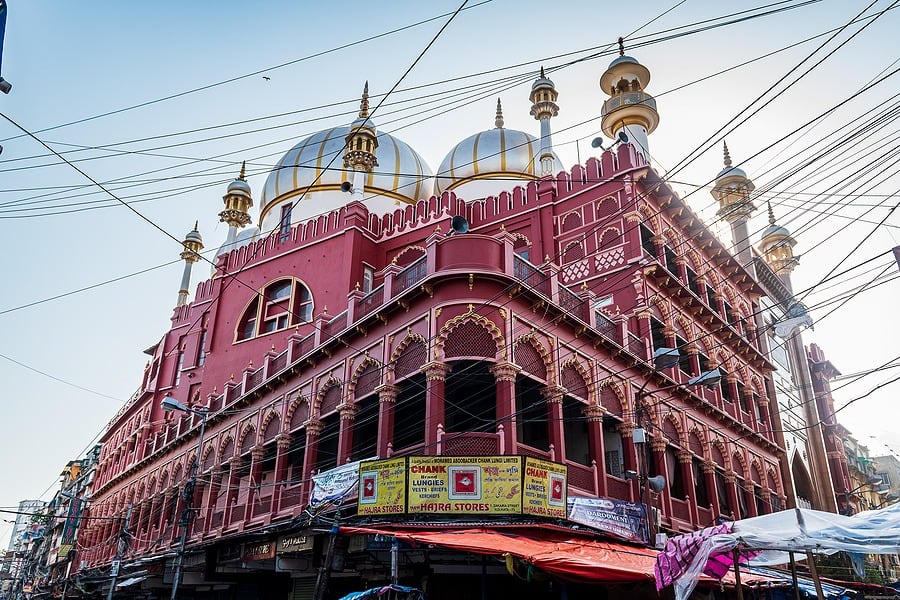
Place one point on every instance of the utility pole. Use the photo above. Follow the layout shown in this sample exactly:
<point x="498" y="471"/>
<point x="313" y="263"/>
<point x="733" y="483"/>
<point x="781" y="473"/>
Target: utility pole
<point x="120" y="550"/>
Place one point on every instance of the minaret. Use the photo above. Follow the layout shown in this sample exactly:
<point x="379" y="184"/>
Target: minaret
<point x="193" y="244"/>
<point x="543" y="107"/>
<point x="777" y="247"/>
<point x="238" y="202"/>
<point x="362" y="142"/>
<point x="732" y="192"/>
<point x="629" y="109"/>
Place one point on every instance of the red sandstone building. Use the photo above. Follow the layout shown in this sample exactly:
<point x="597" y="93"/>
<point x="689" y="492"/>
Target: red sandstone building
<point x="372" y="330"/>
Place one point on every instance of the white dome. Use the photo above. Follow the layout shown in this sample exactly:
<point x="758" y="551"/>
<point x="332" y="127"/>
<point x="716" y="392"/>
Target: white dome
<point x="499" y="154"/>
<point x="401" y="176"/>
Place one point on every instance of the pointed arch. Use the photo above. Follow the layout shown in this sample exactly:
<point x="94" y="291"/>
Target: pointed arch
<point x="408" y="357"/>
<point x="226" y="448"/>
<point x="472" y="335"/>
<point x="247" y="439"/>
<point x="613" y="398"/>
<point x="329" y="396"/>
<point x="531" y="355"/>
<point x="297" y="414"/>
<point x="408" y="255"/>
<point x="271" y="427"/>
<point x="573" y="251"/>
<point x="696" y="440"/>
<point x="576" y="379"/>
<point x="609" y="238"/>
<point x="366" y="378"/>
<point x="738" y="460"/>
<point x="718" y="453"/>
<point x="571" y="220"/>
<point x="672" y="429"/>
<point x="209" y="458"/>
<point x="606" y="207"/>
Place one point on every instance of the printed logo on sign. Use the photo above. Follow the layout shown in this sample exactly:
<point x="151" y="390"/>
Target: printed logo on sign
<point x="465" y="483"/>
<point x="557" y="490"/>
<point x="368" y="484"/>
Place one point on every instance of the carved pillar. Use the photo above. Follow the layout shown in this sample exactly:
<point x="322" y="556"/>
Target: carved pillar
<point x="658" y="444"/>
<point x="629" y="449"/>
<point x="387" y="399"/>
<point x="594" y="415"/>
<point x="731" y="490"/>
<point x="347" y="411"/>
<point x="313" y="429"/>
<point x="282" y="459"/>
<point x="234" y="484"/>
<point x="435" y="379"/>
<point x="505" y="379"/>
<point x="765" y="427"/>
<point x="643" y="324"/>
<point x="553" y="394"/>
<point x="208" y="507"/>
<point x="687" y="475"/>
<point x="709" y="474"/>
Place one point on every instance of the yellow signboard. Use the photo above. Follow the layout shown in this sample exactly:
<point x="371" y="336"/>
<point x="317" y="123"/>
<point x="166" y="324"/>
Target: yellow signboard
<point x="544" y="489"/>
<point x="382" y="487"/>
<point x="465" y="485"/>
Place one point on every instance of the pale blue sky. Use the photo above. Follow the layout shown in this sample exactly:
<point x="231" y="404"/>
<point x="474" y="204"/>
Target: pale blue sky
<point x="68" y="61"/>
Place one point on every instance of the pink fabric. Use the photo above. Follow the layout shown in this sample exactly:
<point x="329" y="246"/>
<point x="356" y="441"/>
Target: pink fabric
<point x="679" y="553"/>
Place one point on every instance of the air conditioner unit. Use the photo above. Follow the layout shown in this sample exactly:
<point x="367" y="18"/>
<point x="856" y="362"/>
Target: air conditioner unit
<point x="661" y="539"/>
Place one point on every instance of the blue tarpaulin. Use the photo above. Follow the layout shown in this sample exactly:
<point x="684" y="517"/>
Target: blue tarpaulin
<point x="388" y="591"/>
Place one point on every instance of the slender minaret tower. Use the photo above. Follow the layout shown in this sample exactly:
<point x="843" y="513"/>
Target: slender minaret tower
<point x="629" y="108"/>
<point x="777" y="247"/>
<point x="362" y="142"/>
<point x="732" y="192"/>
<point x="543" y="107"/>
<point x="238" y="202"/>
<point x="193" y="244"/>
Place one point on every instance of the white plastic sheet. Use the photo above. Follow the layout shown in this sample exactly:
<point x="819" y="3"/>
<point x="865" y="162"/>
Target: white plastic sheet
<point x="798" y="530"/>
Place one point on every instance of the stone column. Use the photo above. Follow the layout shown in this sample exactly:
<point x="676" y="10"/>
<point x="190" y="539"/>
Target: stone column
<point x="687" y="475"/>
<point x="658" y="444"/>
<point x="231" y="493"/>
<point x="505" y="379"/>
<point x="553" y="395"/>
<point x="387" y="400"/>
<point x="731" y="490"/>
<point x="313" y="429"/>
<point x="435" y="380"/>
<point x="709" y="474"/>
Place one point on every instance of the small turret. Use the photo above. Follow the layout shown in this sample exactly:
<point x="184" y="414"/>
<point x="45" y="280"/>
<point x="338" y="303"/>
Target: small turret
<point x="543" y="108"/>
<point x="238" y="202"/>
<point x="193" y="244"/>
<point x="777" y="246"/>
<point x="629" y="109"/>
<point x="732" y="191"/>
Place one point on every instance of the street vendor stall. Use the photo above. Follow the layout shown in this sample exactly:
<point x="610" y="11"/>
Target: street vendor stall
<point x="771" y="540"/>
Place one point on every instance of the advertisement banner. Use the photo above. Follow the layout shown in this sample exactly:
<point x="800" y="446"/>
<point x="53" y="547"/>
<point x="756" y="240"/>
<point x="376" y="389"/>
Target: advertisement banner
<point x="334" y="485"/>
<point x="544" y="489"/>
<point x="382" y="487"/>
<point x="465" y="485"/>
<point x="626" y="520"/>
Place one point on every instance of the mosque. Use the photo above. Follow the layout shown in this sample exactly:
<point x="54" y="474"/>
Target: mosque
<point x="505" y="359"/>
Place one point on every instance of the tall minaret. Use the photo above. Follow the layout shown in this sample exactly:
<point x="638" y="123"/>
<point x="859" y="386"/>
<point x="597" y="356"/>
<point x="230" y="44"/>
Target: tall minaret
<point x="543" y="107"/>
<point x="629" y="109"/>
<point x="193" y="244"/>
<point x="238" y="202"/>
<point x="732" y="191"/>
<point x="362" y="142"/>
<point x="777" y="246"/>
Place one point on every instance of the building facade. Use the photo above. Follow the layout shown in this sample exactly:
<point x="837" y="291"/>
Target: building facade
<point x="517" y="312"/>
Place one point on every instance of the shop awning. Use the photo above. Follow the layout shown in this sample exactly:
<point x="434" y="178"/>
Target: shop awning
<point x="130" y="581"/>
<point x="557" y="553"/>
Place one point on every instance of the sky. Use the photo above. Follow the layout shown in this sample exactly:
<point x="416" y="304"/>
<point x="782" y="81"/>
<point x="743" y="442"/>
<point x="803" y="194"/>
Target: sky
<point x="161" y="105"/>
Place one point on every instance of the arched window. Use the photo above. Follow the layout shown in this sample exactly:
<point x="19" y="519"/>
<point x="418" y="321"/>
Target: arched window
<point x="279" y="305"/>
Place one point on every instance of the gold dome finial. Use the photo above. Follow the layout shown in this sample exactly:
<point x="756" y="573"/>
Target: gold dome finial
<point x="243" y="172"/>
<point x="621" y="47"/>
<point x="727" y="156"/>
<point x="771" y="213"/>
<point x="542" y="73"/>
<point x="498" y="118"/>
<point x="364" y="103"/>
<point x="196" y="224"/>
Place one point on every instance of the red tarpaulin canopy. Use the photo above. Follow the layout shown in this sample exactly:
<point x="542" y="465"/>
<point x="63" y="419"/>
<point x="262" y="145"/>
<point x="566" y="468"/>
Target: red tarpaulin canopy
<point x="557" y="552"/>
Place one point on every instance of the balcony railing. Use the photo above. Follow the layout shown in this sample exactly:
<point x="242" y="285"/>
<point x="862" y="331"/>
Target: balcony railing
<point x="411" y="275"/>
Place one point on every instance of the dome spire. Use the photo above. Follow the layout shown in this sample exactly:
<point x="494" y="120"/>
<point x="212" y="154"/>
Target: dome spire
<point x="727" y="156"/>
<point x="192" y="244"/>
<point x="771" y="212"/>
<point x="543" y="108"/>
<point x="629" y="109"/>
<point x="243" y="173"/>
<point x="498" y="117"/>
<point x="364" y="103"/>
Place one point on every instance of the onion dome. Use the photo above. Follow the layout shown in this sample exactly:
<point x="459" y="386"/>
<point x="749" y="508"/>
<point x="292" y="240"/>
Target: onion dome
<point x="483" y="164"/>
<point x="193" y="244"/>
<point x="308" y="177"/>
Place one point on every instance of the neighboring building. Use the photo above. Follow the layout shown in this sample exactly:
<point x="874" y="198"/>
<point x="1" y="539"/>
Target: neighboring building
<point x="374" y="329"/>
<point x="22" y="528"/>
<point x="888" y="468"/>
